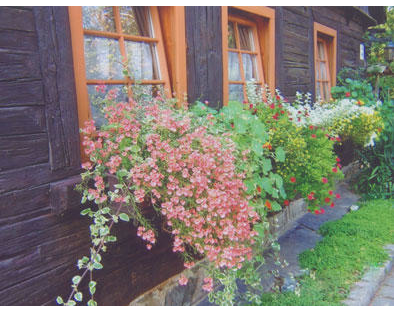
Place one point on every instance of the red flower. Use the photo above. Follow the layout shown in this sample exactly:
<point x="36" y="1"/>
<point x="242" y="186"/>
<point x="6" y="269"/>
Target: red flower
<point x="275" y="116"/>
<point x="278" y="97"/>
<point x="282" y="112"/>
<point x="255" y="111"/>
<point x="324" y="180"/>
<point x="317" y="211"/>
<point x="332" y="205"/>
<point x="245" y="102"/>
<point x="268" y="204"/>
<point x="258" y="189"/>
<point x="338" y="159"/>
<point x="334" y="170"/>
<point x="322" y="211"/>
<point x="347" y="94"/>
<point x="292" y="179"/>
<point x="272" y="106"/>
<point x="338" y="139"/>
<point x="310" y="196"/>
<point x="311" y="127"/>
<point x="338" y="196"/>
<point x="232" y="125"/>
<point x="286" y="202"/>
<point x="313" y="135"/>
<point x="330" y="192"/>
<point x="339" y="165"/>
<point x="327" y="200"/>
<point x="250" y="106"/>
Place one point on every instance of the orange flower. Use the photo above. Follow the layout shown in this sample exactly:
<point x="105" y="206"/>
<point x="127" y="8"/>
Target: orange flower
<point x="267" y="145"/>
<point x="268" y="204"/>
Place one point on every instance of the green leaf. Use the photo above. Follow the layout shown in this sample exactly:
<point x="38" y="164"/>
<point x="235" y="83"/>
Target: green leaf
<point x="92" y="284"/>
<point x="71" y="303"/>
<point x="124" y="217"/>
<point x="276" y="206"/>
<point x="78" y="296"/>
<point x="97" y="266"/>
<point x="92" y="290"/>
<point x="240" y="125"/>
<point x="85" y="211"/>
<point x="257" y="147"/>
<point x="259" y="228"/>
<point x="111" y="238"/>
<point x="266" y="184"/>
<point x="91" y="302"/>
<point x="258" y="128"/>
<point x="76" y="279"/>
<point x="59" y="300"/>
<point x="105" y="210"/>
<point x="354" y="94"/>
<point x="267" y="165"/>
<point x="135" y="148"/>
<point x="280" y="154"/>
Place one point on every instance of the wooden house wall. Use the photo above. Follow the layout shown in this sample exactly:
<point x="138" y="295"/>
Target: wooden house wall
<point x="294" y="44"/>
<point x="41" y="231"/>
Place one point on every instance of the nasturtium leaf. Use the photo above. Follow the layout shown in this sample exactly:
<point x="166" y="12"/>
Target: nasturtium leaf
<point x="260" y="229"/>
<point x="257" y="128"/>
<point x="280" y="154"/>
<point x="266" y="184"/>
<point x="275" y="193"/>
<point x="250" y="184"/>
<point x="240" y="125"/>
<point x="267" y="165"/>
<point x="276" y="206"/>
<point x="257" y="147"/>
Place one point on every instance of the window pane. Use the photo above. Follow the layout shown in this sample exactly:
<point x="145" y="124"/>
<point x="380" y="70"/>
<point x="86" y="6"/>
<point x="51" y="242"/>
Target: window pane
<point x="320" y="49"/>
<point x="250" y="66"/>
<point x="143" y="93"/>
<point x="142" y="60"/>
<point x="102" y="58"/>
<point x="97" y="97"/>
<point x="236" y="92"/>
<point x="234" y="72"/>
<point x="323" y="71"/>
<point x="98" y="18"/>
<point x="245" y="38"/>
<point x="135" y="21"/>
<point x="318" y="91"/>
<point x="231" y="36"/>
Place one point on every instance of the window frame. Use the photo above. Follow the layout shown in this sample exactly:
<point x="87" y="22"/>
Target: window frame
<point x="171" y="51"/>
<point x="328" y="36"/>
<point x="264" y="18"/>
<point x="256" y="51"/>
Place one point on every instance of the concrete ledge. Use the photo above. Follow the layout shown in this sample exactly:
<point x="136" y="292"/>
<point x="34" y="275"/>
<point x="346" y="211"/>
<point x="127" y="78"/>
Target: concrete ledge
<point x="363" y="291"/>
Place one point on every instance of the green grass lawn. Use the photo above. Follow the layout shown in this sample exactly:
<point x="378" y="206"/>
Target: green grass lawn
<point x="349" y="247"/>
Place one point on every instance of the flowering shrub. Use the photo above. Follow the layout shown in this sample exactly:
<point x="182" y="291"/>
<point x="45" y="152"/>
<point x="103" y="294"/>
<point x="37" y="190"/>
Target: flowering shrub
<point x="167" y="158"/>
<point x="310" y="168"/>
<point x="346" y="118"/>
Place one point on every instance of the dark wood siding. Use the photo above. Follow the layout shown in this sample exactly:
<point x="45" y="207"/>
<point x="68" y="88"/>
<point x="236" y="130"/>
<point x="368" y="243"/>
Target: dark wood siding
<point x="204" y="54"/>
<point x="39" y="163"/>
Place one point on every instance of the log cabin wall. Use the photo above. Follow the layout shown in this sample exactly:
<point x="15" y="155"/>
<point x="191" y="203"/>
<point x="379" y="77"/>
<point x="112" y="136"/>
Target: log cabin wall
<point x="294" y="44"/>
<point x="41" y="232"/>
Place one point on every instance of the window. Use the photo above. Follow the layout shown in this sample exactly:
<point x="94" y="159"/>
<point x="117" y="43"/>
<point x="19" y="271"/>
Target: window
<point x="325" y="60"/>
<point x="248" y="49"/>
<point x="105" y="41"/>
<point x="244" y="60"/>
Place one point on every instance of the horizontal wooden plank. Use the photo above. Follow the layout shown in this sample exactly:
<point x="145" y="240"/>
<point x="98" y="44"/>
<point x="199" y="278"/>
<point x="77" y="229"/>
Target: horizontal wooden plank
<point x="22" y="120"/>
<point x="18" y="40"/>
<point x="23" y="150"/>
<point x="30" y="176"/>
<point x="16" y="19"/>
<point x="19" y="65"/>
<point x="23" y="201"/>
<point x="13" y="93"/>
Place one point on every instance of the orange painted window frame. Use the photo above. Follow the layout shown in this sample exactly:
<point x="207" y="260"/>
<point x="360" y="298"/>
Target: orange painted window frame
<point x="328" y="36"/>
<point x="171" y="49"/>
<point x="264" y="18"/>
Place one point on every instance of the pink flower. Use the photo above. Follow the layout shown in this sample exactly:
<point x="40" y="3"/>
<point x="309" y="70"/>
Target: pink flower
<point x="183" y="280"/>
<point x="324" y="180"/>
<point x="338" y="196"/>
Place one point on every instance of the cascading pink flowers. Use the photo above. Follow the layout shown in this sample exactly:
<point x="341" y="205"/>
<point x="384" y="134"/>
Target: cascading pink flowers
<point x="188" y="174"/>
